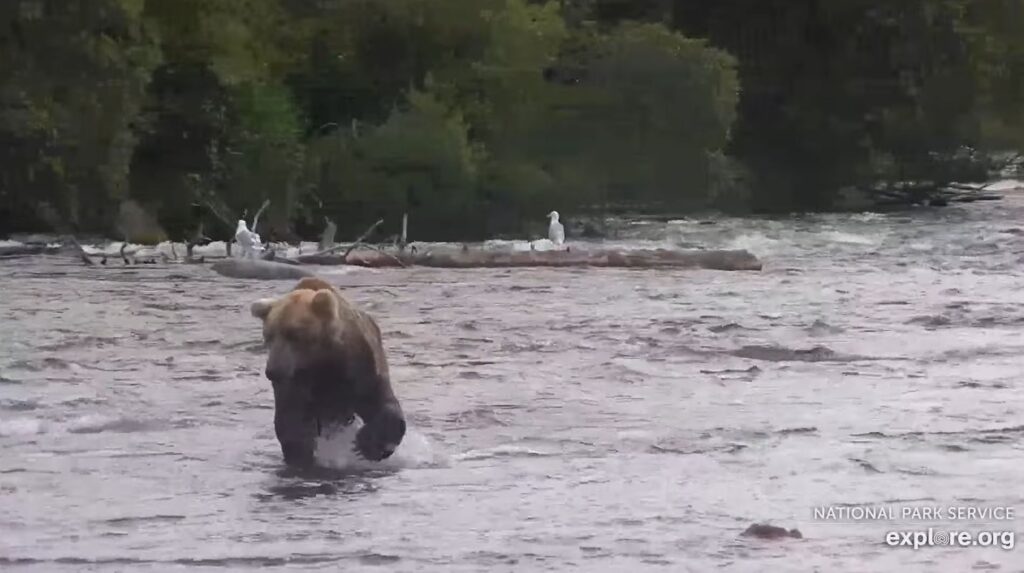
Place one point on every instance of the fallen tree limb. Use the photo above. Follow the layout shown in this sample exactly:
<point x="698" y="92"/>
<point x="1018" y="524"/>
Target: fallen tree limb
<point x="323" y="253"/>
<point x="256" y="219"/>
<point x="332" y="259"/>
<point x="362" y="237"/>
<point x="81" y="251"/>
<point x="257" y="269"/>
<point x="1015" y="158"/>
<point x="217" y="211"/>
<point x="325" y="258"/>
<point x="637" y="259"/>
<point x="16" y="251"/>
<point x="52" y="218"/>
<point x="387" y="254"/>
<point x="328" y="254"/>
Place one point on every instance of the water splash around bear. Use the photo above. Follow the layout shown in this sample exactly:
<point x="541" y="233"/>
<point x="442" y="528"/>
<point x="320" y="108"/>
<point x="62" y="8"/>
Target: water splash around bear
<point x="417" y="451"/>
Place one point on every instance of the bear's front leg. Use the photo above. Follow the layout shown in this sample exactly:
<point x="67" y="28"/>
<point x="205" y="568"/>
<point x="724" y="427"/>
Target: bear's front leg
<point x="383" y="430"/>
<point x="297" y="454"/>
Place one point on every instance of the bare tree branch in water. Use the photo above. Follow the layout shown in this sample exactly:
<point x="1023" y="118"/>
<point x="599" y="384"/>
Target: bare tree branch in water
<point x="256" y="219"/>
<point x="54" y="220"/>
<point x="362" y="237"/>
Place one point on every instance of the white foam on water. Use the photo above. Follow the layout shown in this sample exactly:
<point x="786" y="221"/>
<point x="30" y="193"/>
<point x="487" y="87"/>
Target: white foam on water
<point x="87" y="424"/>
<point x="849" y="238"/>
<point x="415" y="451"/>
<point x="757" y="244"/>
<point x="95" y="423"/>
<point x="213" y="249"/>
<point x="338" y="270"/>
<point x="505" y="245"/>
<point x="1002" y="185"/>
<point x="503" y="451"/>
<point x="867" y="217"/>
<point x="22" y="427"/>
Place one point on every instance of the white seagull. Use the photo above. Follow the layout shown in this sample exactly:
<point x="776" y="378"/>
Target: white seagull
<point x="247" y="240"/>
<point x="556" y="232"/>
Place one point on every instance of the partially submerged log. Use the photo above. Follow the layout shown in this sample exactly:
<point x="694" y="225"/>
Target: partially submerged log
<point x="329" y="253"/>
<point x="362" y="237"/>
<point x="928" y="193"/>
<point x="643" y="259"/>
<point x="271" y="255"/>
<point x="259" y="269"/>
<point x="22" y="250"/>
<point x="49" y="214"/>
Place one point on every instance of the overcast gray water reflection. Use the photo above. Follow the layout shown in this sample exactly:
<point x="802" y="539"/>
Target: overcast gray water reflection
<point x="597" y="420"/>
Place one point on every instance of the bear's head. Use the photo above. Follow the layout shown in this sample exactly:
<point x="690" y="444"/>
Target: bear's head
<point x="299" y="328"/>
<point x="302" y="332"/>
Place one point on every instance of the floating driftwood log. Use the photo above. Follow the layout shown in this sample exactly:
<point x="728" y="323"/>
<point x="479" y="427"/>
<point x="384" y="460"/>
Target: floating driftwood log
<point x="931" y="193"/>
<point x="273" y="266"/>
<point x="644" y="259"/>
<point x="259" y="269"/>
<point x="15" y="251"/>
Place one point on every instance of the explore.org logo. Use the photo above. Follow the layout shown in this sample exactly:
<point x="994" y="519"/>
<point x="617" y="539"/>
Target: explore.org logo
<point x="940" y="538"/>
<point x="976" y="525"/>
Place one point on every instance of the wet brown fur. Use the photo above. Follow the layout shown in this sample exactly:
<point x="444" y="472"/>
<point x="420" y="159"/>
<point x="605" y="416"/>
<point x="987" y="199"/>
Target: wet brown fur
<point x="301" y="314"/>
<point x="314" y="324"/>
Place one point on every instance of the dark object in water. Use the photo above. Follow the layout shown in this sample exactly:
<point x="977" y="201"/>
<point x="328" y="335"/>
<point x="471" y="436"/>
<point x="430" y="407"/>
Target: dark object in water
<point x="765" y="531"/>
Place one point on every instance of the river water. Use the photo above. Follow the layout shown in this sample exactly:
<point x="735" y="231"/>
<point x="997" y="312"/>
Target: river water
<point x="590" y="420"/>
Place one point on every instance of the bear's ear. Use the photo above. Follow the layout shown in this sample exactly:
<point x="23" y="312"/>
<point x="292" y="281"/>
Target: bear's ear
<point x="261" y="308"/>
<point x="324" y="304"/>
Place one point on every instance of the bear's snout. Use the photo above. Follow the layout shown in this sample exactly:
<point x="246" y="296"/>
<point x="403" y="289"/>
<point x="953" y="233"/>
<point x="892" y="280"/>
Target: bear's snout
<point x="281" y="361"/>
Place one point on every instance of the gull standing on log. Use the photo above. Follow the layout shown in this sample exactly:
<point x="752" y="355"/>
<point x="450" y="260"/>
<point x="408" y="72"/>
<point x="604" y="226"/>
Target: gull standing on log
<point x="249" y="241"/>
<point x="556" y="232"/>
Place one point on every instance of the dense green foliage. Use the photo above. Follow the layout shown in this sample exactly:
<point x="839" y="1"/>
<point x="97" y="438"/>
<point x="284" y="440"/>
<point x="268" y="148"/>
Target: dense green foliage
<point x="860" y="92"/>
<point x="477" y="117"/>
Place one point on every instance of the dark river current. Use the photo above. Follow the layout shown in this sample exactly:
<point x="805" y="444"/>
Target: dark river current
<point x="585" y="420"/>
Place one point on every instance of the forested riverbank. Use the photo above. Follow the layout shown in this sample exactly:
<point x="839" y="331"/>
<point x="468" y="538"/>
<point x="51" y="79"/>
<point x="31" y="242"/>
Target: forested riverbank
<point x="477" y="117"/>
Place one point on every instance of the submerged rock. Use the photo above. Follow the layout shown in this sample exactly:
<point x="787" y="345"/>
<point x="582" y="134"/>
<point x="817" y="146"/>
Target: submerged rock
<point x="766" y="531"/>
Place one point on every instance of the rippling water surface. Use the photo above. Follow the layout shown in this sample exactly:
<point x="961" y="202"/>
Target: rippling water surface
<point x="596" y="420"/>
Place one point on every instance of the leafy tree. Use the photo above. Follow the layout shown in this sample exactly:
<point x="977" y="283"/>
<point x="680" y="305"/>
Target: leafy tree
<point x="643" y="115"/>
<point x="72" y="79"/>
<point x="860" y="92"/>
<point x="221" y="132"/>
<point x="478" y="116"/>
<point x="992" y="29"/>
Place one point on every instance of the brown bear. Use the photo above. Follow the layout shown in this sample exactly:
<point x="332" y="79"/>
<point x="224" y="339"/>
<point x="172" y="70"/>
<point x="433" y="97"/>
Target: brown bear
<point x="326" y="363"/>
